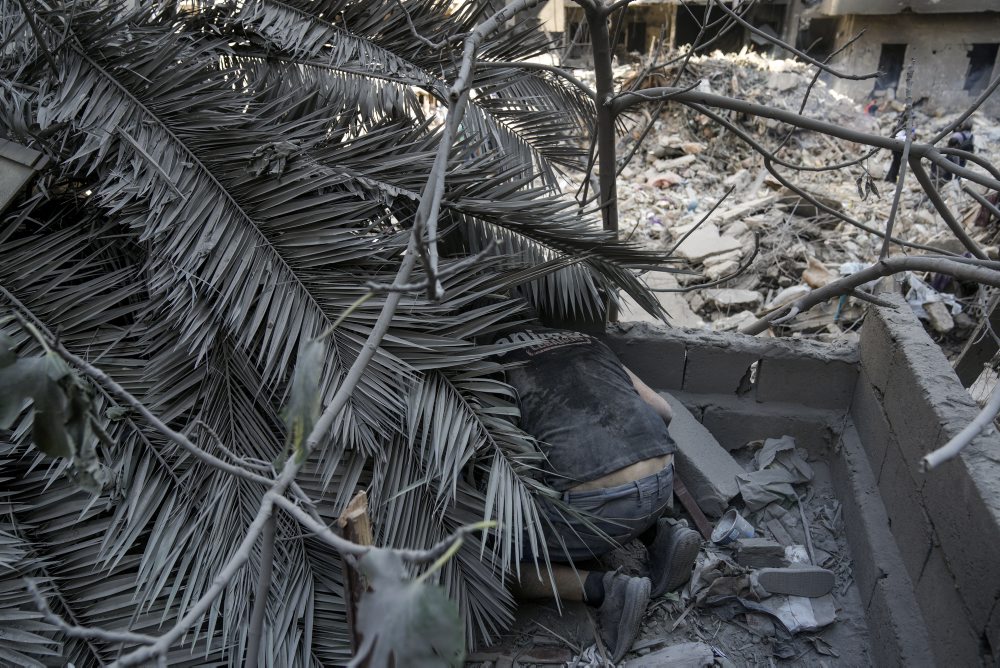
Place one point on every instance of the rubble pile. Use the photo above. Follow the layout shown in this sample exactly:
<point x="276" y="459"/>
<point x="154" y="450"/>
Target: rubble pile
<point x="688" y="163"/>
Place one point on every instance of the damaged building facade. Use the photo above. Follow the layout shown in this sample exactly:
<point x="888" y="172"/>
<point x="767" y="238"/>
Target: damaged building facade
<point x="955" y="43"/>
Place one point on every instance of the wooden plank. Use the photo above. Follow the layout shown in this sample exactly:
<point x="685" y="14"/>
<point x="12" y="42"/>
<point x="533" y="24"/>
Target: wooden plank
<point x="355" y="525"/>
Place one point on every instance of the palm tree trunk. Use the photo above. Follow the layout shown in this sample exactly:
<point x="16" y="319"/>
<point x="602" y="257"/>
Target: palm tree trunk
<point x="606" y="160"/>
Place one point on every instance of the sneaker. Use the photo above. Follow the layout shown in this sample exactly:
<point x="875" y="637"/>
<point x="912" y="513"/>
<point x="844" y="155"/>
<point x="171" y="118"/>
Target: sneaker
<point x="625" y="600"/>
<point x="672" y="556"/>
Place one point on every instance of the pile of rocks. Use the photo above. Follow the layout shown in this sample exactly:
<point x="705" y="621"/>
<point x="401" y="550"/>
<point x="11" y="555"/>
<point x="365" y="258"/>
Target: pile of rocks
<point x="688" y="164"/>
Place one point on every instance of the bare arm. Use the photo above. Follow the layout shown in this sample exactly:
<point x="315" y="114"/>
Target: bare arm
<point x="646" y="393"/>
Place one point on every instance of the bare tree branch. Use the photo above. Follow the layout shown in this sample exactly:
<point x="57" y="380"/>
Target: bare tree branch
<point x="979" y="424"/>
<point x="791" y="49"/>
<point x="908" y="132"/>
<point x="990" y="206"/>
<point x="75" y="631"/>
<point x="696" y="98"/>
<point x="558" y="71"/>
<point x="799" y="191"/>
<point x="886" y="267"/>
<point x="985" y="95"/>
<point x="935" y="197"/>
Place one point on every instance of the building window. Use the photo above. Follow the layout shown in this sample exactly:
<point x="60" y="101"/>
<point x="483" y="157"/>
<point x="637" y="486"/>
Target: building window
<point x="890" y="66"/>
<point x="981" y="60"/>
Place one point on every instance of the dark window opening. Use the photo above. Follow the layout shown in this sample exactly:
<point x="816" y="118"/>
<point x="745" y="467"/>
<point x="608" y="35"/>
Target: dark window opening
<point x="635" y="40"/>
<point x="982" y="57"/>
<point x="890" y="66"/>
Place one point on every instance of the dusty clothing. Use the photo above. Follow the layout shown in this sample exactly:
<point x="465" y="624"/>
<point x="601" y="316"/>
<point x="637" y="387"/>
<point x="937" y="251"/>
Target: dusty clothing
<point x="581" y="405"/>
<point x="620" y="513"/>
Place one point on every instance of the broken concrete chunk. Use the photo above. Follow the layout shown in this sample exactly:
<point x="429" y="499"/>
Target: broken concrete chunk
<point x="718" y="270"/>
<point x="706" y="241"/>
<point x="684" y="655"/>
<point x="760" y="553"/>
<point x="939" y="316"/>
<point x="708" y="470"/>
<point x="725" y="298"/>
<point x="816" y="274"/>
<point x="733" y="322"/>
<point x="787" y="296"/>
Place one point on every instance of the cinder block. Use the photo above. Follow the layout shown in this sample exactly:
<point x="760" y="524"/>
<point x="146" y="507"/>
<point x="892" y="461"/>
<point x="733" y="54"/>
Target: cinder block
<point x="734" y="422"/>
<point x="658" y="362"/>
<point x="716" y="370"/>
<point x="910" y="526"/>
<point x="966" y="516"/>
<point x="870" y="421"/>
<point x="708" y="471"/>
<point x="893" y="629"/>
<point x="816" y="382"/>
<point x="876" y="345"/>
<point x="897" y="630"/>
<point x="760" y="553"/>
<point x="953" y="639"/>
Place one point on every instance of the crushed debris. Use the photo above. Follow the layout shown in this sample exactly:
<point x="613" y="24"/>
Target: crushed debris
<point x="688" y="163"/>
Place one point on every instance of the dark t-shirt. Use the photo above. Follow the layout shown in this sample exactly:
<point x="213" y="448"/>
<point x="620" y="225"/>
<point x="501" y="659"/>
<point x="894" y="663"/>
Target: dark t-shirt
<point x="579" y="402"/>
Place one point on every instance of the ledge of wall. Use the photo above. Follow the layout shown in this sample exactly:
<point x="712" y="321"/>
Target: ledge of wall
<point x="808" y="373"/>
<point x="946" y="522"/>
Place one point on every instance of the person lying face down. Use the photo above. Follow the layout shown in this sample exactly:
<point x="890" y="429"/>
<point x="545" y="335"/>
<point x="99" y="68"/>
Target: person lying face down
<point x="609" y="453"/>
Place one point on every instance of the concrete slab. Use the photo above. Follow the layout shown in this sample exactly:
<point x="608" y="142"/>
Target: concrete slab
<point x="708" y="470"/>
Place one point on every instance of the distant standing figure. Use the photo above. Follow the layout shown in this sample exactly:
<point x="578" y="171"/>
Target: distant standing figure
<point x="897" y="156"/>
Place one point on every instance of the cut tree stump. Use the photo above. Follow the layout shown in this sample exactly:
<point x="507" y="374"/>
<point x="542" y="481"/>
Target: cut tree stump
<point x="356" y="526"/>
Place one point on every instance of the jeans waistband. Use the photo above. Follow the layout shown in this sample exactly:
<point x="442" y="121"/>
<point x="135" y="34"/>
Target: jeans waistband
<point x="649" y="484"/>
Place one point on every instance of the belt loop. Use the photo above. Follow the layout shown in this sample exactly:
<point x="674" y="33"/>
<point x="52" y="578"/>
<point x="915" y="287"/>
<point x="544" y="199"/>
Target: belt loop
<point x="638" y="492"/>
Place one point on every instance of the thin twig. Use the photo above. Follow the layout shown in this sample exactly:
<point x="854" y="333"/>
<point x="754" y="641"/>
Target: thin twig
<point x="719" y="281"/>
<point x="990" y="206"/>
<point x="558" y="71"/>
<point x="74" y="631"/>
<point x="985" y="95"/>
<point x="703" y="219"/>
<point x="791" y="49"/>
<point x="942" y="208"/>
<point x="886" y="267"/>
<point x="908" y="129"/>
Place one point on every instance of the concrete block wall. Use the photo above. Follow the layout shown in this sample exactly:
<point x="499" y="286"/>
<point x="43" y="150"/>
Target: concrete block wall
<point x="925" y="544"/>
<point x="946" y="522"/>
<point x="745" y="388"/>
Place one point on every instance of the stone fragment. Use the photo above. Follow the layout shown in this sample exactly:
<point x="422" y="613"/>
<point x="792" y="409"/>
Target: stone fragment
<point x="664" y="179"/>
<point x="939" y="316"/>
<point x="724" y="298"/>
<point x="760" y="553"/>
<point x="816" y="274"/>
<point x="692" y="147"/>
<point x="722" y="257"/>
<point x="683" y="655"/>
<point x="787" y="296"/>
<point x="732" y="322"/>
<point x="708" y="470"/>
<point x="705" y="242"/>
<point x="717" y="270"/>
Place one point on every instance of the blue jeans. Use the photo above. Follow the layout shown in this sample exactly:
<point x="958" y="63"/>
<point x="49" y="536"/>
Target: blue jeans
<point x="622" y="513"/>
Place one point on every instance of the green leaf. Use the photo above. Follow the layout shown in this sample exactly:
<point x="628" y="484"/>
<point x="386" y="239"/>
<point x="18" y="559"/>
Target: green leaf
<point x="303" y="404"/>
<point x="115" y="413"/>
<point x="18" y="382"/>
<point x="48" y="429"/>
<point x="404" y="622"/>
